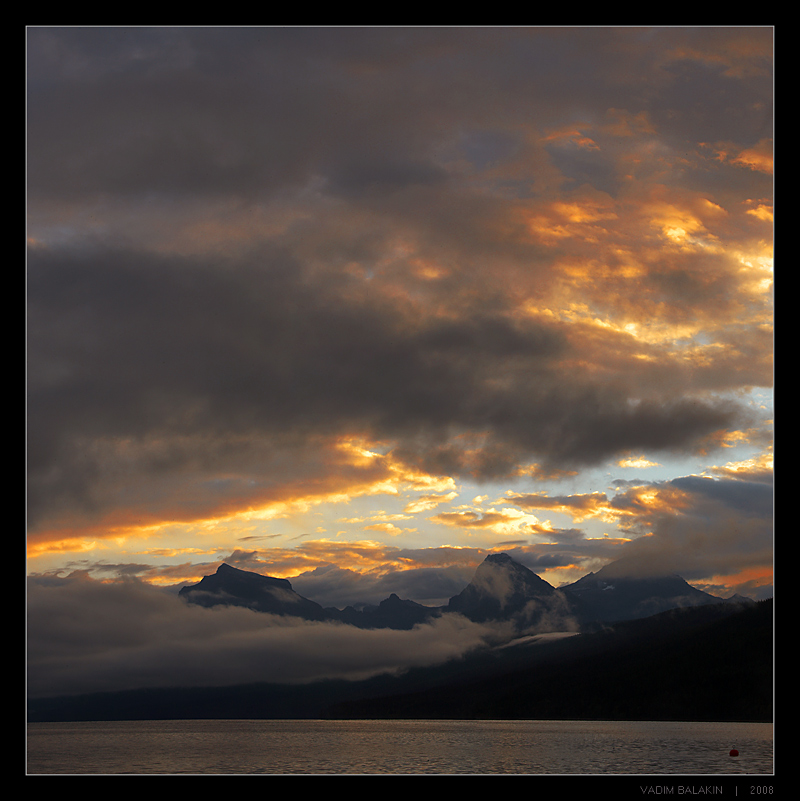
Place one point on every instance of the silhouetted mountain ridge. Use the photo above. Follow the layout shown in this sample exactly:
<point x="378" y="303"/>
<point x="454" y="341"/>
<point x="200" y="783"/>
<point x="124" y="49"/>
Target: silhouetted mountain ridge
<point x="611" y="595"/>
<point x="230" y="586"/>
<point x="501" y="589"/>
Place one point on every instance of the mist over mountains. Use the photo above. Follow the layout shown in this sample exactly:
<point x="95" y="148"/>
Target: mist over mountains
<point x="610" y="646"/>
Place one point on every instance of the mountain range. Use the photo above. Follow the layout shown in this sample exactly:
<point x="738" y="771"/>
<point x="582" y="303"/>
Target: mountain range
<point x="230" y="586"/>
<point x="501" y="589"/>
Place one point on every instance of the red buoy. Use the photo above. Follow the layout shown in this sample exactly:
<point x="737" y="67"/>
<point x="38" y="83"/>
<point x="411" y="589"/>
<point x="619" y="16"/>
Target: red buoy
<point x="734" y="752"/>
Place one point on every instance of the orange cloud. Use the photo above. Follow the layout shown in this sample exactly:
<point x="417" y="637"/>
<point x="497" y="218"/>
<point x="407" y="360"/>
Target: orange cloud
<point x="359" y="556"/>
<point x="623" y="123"/>
<point x="506" y="521"/>
<point x="762" y="212"/>
<point x="745" y="581"/>
<point x="350" y="469"/>
<point x="741" y="52"/>
<point x="579" y="507"/>
<point x="571" y="135"/>
<point x="756" y="158"/>
<point x="637" y="462"/>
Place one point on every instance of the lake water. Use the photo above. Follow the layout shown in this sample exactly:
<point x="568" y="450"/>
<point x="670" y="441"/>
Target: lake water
<point x="410" y="747"/>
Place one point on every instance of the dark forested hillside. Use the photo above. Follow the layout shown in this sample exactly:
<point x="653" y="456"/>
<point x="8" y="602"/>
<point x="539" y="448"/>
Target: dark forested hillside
<point x="704" y="663"/>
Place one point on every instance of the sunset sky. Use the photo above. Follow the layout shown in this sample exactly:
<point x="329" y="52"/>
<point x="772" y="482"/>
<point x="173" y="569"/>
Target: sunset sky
<point x="358" y="306"/>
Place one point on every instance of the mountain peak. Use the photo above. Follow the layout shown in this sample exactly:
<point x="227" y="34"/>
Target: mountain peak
<point x="623" y="590"/>
<point x="500" y="558"/>
<point x="504" y="589"/>
<point x="232" y="586"/>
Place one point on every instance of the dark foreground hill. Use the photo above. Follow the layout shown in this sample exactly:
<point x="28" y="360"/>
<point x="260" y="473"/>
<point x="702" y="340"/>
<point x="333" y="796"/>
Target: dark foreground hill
<point x="703" y="663"/>
<point x="713" y="662"/>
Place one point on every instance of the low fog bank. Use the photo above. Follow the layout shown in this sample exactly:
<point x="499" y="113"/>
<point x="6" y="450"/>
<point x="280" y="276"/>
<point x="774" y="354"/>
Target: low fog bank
<point x="88" y="636"/>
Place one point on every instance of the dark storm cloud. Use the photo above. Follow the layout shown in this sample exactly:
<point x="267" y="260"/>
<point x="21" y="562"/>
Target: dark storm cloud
<point x="754" y="499"/>
<point x="718" y="101"/>
<point x="206" y="359"/>
<point x="247" y="110"/>
<point x="695" y="526"/>
<point x="221" y="111"/>
<point x="699" y="527"/>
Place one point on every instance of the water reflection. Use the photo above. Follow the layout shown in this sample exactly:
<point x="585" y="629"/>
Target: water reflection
<point x="399" y="747"/>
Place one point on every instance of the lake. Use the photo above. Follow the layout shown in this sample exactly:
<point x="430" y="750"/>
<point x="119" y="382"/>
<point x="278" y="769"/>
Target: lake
<point x="408" y="747"/>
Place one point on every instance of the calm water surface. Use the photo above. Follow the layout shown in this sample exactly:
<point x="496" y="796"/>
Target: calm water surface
<point x="399" y="747"/>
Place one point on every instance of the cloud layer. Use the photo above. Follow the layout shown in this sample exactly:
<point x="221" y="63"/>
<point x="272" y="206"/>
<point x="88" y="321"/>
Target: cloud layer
<point x="86" y="636"/>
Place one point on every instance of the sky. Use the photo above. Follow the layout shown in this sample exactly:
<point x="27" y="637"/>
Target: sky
<point x="357" y="307"/>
